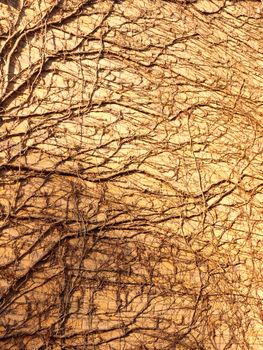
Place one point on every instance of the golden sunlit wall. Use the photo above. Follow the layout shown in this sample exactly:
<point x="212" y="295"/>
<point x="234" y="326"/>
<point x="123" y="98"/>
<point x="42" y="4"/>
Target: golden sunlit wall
<point x="131" y="183"/>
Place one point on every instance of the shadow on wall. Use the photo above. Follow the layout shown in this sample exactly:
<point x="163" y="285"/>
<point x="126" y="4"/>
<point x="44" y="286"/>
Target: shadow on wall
<point x="12" y="3"/>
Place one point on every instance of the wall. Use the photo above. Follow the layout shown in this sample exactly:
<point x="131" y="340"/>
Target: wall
<point x="131" y="175"/>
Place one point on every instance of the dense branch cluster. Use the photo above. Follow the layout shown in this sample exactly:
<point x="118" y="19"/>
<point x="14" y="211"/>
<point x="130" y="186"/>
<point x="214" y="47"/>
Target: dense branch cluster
<point x="131" y="175"/>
